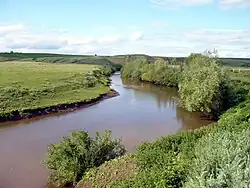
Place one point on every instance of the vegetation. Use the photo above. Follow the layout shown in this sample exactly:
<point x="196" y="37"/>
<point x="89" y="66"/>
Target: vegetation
<point x="231" y="62"/>
<point x="117" y="59"/>
<point x="27" y="86"/>
<point x="70" y="159"/>
<point x="204" y="85"/>
<point x="221" y="160"/>
<point x="36" y="55"/>
<point x="158" y="72"/>
<point x="59" y="58"/>
<point x="213" y="156"/>
<point x="110" y="172"/>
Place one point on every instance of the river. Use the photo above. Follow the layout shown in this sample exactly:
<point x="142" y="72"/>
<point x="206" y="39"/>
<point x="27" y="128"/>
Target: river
<point x="142" y="112"/>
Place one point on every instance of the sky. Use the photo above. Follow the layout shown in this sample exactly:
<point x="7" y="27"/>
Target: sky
<point x="111" y="27"/>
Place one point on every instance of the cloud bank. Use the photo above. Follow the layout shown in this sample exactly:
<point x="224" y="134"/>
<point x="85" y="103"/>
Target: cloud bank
<point x="229" y="42"/>
<point x="225" y="4"/>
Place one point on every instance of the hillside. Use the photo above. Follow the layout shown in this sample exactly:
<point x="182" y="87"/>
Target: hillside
<point x="105" y="60"/>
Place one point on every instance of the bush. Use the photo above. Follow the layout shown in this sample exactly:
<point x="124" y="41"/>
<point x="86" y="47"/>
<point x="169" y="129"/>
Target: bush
<point x="221" y="160"/>
<point x="69" y="159"/>
<point x="214" y="156"/>
<point x="158" y="72"/>
<point x="235" y="119"/>
<point x="165" y="162"/>
<point x="133" y="69"/>
<point x="109" y="173"/>
<point x="204" y="86"/>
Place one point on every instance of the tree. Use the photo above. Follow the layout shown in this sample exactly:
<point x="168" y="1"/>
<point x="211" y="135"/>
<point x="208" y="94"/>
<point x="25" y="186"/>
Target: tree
<point x="172" y="60"/>
<point x="69" y="159"/>
<point x="203" y="86"/>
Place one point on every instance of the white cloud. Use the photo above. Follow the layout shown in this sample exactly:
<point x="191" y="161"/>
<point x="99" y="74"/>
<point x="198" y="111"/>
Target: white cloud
<point x="230" y="43"/>
<point x="225" y="4"/>
<point x="11" y="29"/>
<point x="159" y="24"/>
<point x="110" y="39"/>
<point x="234" y="3"/>
<point x="173" y="4"/>
<point x="136" y="36"/>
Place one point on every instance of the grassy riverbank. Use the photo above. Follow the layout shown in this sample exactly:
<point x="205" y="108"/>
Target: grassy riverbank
<point x="27" y="86"/>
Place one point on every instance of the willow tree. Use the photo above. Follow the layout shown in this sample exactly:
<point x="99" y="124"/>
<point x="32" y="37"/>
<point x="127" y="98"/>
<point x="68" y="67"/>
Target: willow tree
<point x="203" y="86"/>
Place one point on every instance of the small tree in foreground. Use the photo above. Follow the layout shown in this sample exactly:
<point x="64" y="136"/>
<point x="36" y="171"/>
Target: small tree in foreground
<point x="69" y="159"/>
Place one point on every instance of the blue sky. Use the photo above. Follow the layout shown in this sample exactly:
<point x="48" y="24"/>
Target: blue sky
<point x="154" y="27"/>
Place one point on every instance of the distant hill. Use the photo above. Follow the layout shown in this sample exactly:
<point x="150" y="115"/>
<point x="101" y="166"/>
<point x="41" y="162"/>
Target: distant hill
<point x="18" y="55"/>
<point x="57" y="58"/>
<point x="104" y="60"/>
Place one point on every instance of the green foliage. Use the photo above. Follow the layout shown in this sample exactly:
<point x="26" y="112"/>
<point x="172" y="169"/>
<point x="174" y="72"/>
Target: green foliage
<point x="235" y="119"/>
<point x="165" y="162"/>
<point x="221" y="160"/>
<point x="213" y="156"/>
<point x="158" y="72"/>
<point x="48" y="85"/>
<point x="204" y="85"/>
<point x="172" y="60"/>
<point x="109" y="173"/>
<point x="71" y="158"/>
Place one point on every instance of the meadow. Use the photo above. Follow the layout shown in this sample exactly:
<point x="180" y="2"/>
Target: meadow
<point x="34" y="85"/>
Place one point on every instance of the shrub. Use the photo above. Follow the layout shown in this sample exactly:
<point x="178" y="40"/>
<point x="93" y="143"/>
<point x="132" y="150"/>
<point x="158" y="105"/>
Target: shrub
<point x="221" y="160"/>
<point x="69" y="159"/>
<point x="235" y="119"/>
<point x="203" y="86"/>
<point x="163" y="163"/>
<point x="133" y="69"/>
<point x="109" y="173"/>
<point x="158" y="72"/>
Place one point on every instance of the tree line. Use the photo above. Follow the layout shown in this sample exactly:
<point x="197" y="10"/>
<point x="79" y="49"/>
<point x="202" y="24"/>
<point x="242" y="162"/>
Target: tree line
<point x="203" y="83"/>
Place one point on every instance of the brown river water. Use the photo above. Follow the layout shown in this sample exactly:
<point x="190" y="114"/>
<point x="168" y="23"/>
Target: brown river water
<point x="142" y="112"/>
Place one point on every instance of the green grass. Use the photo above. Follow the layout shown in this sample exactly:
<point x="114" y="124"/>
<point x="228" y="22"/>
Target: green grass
<point x="38" y="55"/>
<point x="110" y="172"/>
<point x="28" y="85"/>
<point x="243" y="77"/>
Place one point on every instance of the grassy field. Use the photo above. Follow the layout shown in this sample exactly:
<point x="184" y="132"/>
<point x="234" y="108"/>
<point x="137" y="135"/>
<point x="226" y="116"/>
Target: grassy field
<point x="59" y="59"/>
<point x="32" y="85"/>
<point x="95" y="59"/>
<point x="240" y="76"/>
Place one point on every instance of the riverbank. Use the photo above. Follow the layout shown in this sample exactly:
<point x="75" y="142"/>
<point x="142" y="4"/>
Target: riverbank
<point x="50" y="88"/>
<point x="67" y="107"/>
